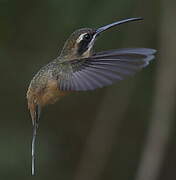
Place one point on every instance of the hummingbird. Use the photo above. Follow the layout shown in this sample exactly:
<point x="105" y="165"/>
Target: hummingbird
<point x="79" y="68"/>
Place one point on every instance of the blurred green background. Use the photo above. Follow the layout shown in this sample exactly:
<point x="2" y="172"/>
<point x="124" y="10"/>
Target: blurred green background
<point x="125" y="131"/>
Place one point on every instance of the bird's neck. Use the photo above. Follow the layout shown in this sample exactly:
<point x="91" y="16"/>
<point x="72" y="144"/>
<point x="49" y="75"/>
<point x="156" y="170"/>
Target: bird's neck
<point x="70" y="51"/>
<point x="72" y="56"/>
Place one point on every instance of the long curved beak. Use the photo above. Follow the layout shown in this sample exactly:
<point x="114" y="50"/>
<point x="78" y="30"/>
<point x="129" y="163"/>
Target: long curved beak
<point x="106" y="27"/>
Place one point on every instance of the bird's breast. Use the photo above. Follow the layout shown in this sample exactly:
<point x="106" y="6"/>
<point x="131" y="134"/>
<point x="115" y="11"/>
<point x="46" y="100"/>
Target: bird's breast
<point x="44" y="95"/>
<point x="51" y="93"/>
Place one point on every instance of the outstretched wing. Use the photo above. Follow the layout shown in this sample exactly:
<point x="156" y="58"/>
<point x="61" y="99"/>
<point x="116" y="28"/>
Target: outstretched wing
<point x="104" y="68"/>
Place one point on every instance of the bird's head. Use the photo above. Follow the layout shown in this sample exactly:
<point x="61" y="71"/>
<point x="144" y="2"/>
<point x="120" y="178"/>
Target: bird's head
<point x="80" y="43"/>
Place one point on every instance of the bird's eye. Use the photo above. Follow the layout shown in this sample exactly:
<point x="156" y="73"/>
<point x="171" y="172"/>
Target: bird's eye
<point x="87" y="36"/>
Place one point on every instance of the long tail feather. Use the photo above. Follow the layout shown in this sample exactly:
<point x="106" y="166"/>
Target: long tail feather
<point x="35" y="114"/>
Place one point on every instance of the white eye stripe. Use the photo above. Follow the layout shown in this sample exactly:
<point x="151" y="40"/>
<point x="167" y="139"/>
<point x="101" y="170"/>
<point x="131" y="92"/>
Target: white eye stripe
<point x="92" y="41"/>
<point x="80" y="38"/>
<point x="90" y="45"/>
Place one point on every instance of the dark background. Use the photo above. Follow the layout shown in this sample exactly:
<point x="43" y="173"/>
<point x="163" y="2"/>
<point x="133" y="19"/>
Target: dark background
<point x="125" y="131"/>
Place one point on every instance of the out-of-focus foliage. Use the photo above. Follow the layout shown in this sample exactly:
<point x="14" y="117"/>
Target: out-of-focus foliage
<point x="90" y="135"/>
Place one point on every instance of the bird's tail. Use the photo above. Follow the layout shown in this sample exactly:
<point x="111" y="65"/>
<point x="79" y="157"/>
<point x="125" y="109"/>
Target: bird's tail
<point x="35" y="111"/>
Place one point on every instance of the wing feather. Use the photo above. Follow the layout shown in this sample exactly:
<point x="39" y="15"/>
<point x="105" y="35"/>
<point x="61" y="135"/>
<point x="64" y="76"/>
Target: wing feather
<point x="104" y="68"/>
